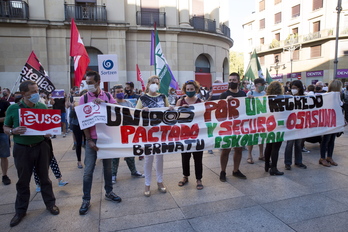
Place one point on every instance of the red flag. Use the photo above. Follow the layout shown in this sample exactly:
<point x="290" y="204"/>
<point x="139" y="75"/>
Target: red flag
<point x="78" y="51"/>
<point x="139" y="78"/>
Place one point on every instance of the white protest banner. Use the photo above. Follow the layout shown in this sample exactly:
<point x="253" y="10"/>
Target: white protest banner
<point x="40" y="121"/>
<point x="217" y="124"/>
<point x="90" y="114"/>
<point x="219" y="88"/>
<point x="108" y="67"/>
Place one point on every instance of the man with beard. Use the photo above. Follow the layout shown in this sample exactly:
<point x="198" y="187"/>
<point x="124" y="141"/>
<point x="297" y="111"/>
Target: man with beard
<point x="232" y="92"/>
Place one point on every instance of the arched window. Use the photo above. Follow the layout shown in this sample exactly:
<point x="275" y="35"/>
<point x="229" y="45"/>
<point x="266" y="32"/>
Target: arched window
<point x="202" y="64"/>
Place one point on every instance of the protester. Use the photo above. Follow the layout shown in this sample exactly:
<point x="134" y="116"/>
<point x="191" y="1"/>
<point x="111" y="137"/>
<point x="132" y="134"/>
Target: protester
<point x="327" y="144"/>
<point x="97" y="96"/>
<point x="246" y="86"/>
<point x="129" y="160"/>
<point x="191" y="88"/>
<point x="172" y="96"/>
<point x="344" y="97"/>
<point x="129" y="90"/>
<point x="211" y="96"/>
<point x="4" y="143"/>
<point x="59" y="104"/>
<point x="29" y="151"/>
<point x="272" y="149"/>
<point x="232" y="92"/>
<point x="79" y="137"/>
<point x="7" y="96"/>
<point x="153" y="99"/>
<point x="319" y="87"/>
<point x="296" y="90"/>
<point x="258" y="92"/>
<point x="287" y="89"/>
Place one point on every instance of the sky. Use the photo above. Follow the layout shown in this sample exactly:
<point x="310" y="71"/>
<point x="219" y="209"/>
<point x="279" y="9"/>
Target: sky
<point x="239" y="11"/>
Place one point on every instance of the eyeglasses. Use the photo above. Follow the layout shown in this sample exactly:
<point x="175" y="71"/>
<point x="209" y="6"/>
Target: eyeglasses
<point x="189" y="81"/>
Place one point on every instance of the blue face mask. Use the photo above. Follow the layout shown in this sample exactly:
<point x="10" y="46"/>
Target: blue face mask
<point x="34" y="98"/>
<point x="191" y="94"/>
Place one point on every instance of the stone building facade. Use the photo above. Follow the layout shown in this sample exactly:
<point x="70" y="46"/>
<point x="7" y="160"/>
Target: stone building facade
<point x="194" y="35"/>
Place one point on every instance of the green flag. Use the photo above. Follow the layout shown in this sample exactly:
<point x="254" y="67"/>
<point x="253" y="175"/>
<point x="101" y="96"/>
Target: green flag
<point x="268" y="77"/>
<point x="254" y="68"/>
<point x="161" y="67"/>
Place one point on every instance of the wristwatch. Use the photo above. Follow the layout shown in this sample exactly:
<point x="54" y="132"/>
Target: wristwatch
<point x="11" y="131"/>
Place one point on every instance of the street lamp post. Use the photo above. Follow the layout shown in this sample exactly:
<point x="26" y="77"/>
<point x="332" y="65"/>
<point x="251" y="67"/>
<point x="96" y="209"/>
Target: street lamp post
<point x="339" y="9"/>
<point x="276" y="65"/>
<point x="292" y="46"/>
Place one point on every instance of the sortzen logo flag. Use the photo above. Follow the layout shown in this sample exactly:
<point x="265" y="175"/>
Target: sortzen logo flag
<point x="34" y="71"/>
<point x="78" y="51"/>
<point x="139" y="78"/>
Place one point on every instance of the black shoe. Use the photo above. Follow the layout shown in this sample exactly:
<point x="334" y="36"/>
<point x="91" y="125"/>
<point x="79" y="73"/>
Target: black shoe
<point x="17" y="219"/>
<point x="275" y="172"/>
<point x="301" y="165"/>
<point x="239" y="175"/>
<point x="267" y="166"/>
<point x="84" y="207"/>
<point x="6" y="180"/>
<point x="53" y="209"/>
<point x="223" y="176"/>
<point x="287" y="167"/>
<point x="111" y="196"/>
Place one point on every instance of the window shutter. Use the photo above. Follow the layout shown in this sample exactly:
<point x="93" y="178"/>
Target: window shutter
<point x="278" y="17"/>
<point x="262" y="23"/>
<point x="296" y="11"/>
<point x="316" y="51"/>
<point x="262" y="40"/>
<point x="296" y="55"/>
<point x="295" y="30"/>
<point x="277" y="36"/>
<point x="262" y="5"/>
<point x="316" y="26"/>
<point x="277" y="1"/>
<point x="317" y="4"/>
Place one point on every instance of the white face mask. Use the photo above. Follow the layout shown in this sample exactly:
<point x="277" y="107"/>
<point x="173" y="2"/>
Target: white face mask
<point x="91" y="88"/>
<point x="294" y="91"/>
<point x="248" y="86"/>
<point x="153" y="88"/>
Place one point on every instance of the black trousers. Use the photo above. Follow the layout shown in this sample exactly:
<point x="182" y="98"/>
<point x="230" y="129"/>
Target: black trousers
<point x="79" y="137"/>
<point x="272" y="152"/>
<point x="25" y="159"/>
<point x="198" y="158"/>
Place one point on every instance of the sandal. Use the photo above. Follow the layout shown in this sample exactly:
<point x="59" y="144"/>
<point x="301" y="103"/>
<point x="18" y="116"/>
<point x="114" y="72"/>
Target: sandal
<point x="250" y="160"/>
<point x="183" y="181"/>
<point x="199" y="185"/>
<point x="262" y="158"/>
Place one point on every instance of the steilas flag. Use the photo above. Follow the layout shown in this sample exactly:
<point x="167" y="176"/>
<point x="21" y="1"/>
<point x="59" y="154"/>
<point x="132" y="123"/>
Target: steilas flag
<point x="78" y="51"/>
<point x="139" y="78"/>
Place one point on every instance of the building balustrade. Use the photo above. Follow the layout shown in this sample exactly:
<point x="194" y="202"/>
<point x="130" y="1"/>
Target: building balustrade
<point x="149" y="18"/>
<point x="14" y="10"/>
<point x="85" y="13"/>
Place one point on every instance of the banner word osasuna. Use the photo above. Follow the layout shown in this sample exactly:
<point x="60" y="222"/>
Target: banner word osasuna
<point x="223" y="124"/>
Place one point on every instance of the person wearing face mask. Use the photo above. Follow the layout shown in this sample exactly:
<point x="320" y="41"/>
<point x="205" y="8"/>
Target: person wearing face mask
<point x="191" y="88"/>
<point x="129" y="91"/>
<point x="153" y="99"/>
<point x="97" y="96"/>
<point x="246" y="86"/>
<point x="29" y="151"/>
<point x="129" y="160"/>
<point x="296" y="88"/>
<point x="172" y="96"/>
<point x="232" y="92"/>
<point x="258" y="92"/>
<point x="319" y="87"/>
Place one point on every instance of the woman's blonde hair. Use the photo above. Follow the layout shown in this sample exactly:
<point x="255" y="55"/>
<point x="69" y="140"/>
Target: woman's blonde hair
<point x="190" y="82"/>
<point x="149" y="82"/>
<point x="335" y="86"/>
<point x="275" y="88"/>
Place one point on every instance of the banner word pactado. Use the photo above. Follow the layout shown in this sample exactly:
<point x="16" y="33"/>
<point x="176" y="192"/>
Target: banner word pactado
<point x="217" y="124"/>
<point x="40" y="121"/>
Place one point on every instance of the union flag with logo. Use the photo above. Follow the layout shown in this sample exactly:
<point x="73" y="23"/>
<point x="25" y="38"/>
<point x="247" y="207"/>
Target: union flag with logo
<point x="40" y="121"/>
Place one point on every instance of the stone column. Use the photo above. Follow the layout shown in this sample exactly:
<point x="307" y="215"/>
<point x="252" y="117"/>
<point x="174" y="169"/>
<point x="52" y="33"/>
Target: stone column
<point x="184" y="16"/>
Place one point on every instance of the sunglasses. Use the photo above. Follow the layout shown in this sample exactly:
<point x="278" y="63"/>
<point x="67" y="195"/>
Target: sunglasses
<point x="189" y="81"/>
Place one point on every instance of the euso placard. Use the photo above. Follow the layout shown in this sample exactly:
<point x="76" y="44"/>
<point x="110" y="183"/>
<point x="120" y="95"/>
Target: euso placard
<point x="217" y="124"/>
<point x="40" y="121"/>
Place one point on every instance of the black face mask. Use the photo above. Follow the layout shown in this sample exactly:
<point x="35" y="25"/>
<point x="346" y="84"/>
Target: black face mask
<point x="317" y="88"/>
<point x="127" y="91"/>
<point x="232" y="85"/>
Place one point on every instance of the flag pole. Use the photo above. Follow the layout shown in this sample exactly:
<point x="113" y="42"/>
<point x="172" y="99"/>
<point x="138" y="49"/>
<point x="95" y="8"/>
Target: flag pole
<point x="16" y="83"/>
<point x="154" y="46"/>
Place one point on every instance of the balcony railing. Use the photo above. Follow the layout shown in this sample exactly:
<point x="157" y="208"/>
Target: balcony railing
<point x="149" y="18"/>
<point x="202" y="24"/>
<point x="14" y="10"/>
<point x="225" y="30"/>
<point x="91" y="14"/>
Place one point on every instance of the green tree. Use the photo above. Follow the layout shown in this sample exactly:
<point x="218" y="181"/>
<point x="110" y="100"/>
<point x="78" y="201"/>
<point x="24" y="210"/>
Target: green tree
<point x="237" y="62"/>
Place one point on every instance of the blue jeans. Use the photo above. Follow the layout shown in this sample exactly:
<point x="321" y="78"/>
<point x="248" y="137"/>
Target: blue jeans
<point x="90" y="159"/>
<point x="288" y="152"/>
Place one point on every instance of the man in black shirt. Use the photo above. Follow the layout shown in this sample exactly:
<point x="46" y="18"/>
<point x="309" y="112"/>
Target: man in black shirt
<point x="4" y="143"/>
<point x="232" y="92"/>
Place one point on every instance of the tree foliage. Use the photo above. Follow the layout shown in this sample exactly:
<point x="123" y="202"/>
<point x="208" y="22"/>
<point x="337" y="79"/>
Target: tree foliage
<point x="236" y="62"/>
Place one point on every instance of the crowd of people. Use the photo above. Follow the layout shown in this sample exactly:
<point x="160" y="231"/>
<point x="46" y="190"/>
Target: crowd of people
<point x="34" y="154"/>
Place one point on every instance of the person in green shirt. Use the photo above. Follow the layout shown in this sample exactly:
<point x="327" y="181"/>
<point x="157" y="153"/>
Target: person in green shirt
<point x="29" y="152"/>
